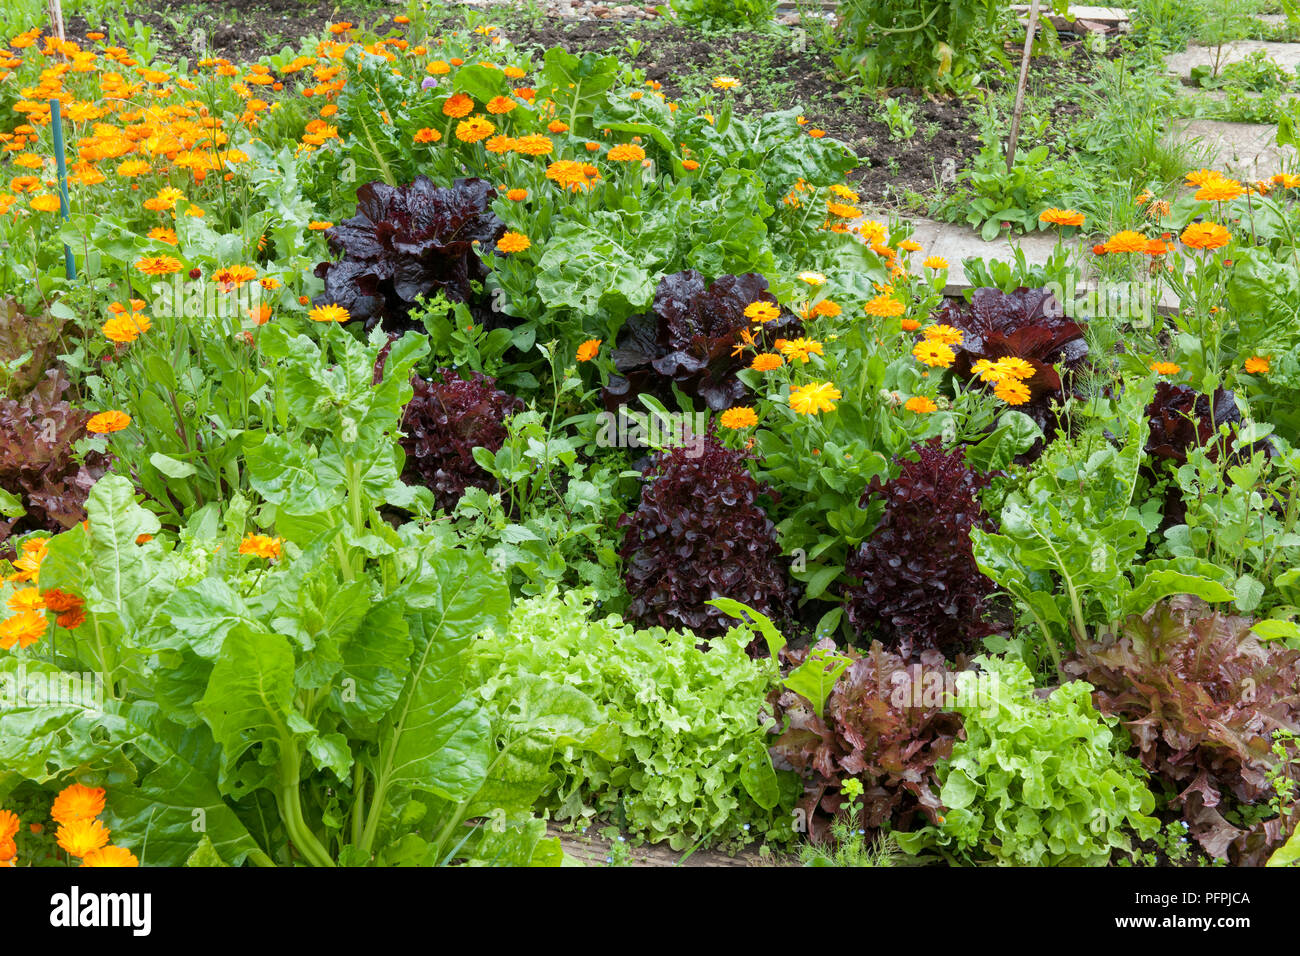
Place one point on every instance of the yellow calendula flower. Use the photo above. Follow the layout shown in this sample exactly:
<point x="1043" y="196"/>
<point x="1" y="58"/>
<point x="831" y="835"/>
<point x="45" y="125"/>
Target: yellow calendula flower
<point x="814" y="398"/>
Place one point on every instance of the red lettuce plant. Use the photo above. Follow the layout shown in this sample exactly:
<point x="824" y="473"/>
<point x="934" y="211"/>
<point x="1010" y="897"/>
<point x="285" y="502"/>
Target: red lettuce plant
<point x="37" y="462"/>
<point x="34" y="333"/>
<point x="442" y="425"/>
<point x="917" y="582"/>
<point x="690" y="338"/>
<point x="1027" y="323"/>
<point x="406" y="242"/>
<point x="700" y="534"/>
<point x="1200" y="695"/>
<point x="1181" y="417"/>
<point x="884" y="724"/>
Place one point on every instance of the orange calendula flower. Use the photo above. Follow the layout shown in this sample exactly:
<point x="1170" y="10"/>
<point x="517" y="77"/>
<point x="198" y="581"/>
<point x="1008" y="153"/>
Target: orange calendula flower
<point x="1219" y="190"/>
<point x="766" y="361"/>
<point x="116" y="856"/>
<point x="801" y="349"/>
<point x="9" y="824"/>
<point x="920" y="405"/>
<point x="910" y="245"/>
<point x="260" y="546"/>
<point x="438" y="68"/>
<point x="26" y="599"/>
<point x="1061" y="217"/>
<point x="814" y="398"/>
<point x="329" y="313"/>
<point x="1012" y="391"/>
<point x="45" y="203"/>
<point x="23" y="629"/>
<point x="500" y="104"/>
<point x="690" y="165"/>
<point x="1257" y="365"/>
<point x="813" y="279"/>
<point x="742" y="416"/>
<point x="938" y="263"/>
<point x="77" y="802"/>
<point x="945" y="334"/>
<point x="427" y="135"/>
<point x="60" y="601"/>
<point x="125" y="329"/>
<point x="1015" y="367"/>
<point x="517" y="195"/>
<point x="1205" y="235"/>
<point x="934" y="354"/>
<point x="1166" y="368"/>
<point x="557" y="127"/>
<point x="28" y="565"/>
<point x="158" y="265"/>
<point x="1202" y="176"/>
<point x="884" y="306"/>
<point x="474" y="129"/>
<point x="81" y="837"/>
<point x="105" y="423"/>
<point x="513" y="242"/>
<point x="588" y="350"/>
<point x="534" y="144"/>
<point x="725" y="83"/>
<point x="826" y="308"/>
<point x="1126" y="241"/>
<point x="626" y="153"/>
<point x="457" y="105"/>
<point x="572" y="175"/>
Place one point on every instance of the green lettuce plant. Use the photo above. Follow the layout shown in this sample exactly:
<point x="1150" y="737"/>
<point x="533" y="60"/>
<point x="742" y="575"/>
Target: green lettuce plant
<point x="682" y="753"/>
<point x="1038" y="781"/>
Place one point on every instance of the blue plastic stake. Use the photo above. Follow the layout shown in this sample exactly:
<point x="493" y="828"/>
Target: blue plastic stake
<point x="65" y="206"/>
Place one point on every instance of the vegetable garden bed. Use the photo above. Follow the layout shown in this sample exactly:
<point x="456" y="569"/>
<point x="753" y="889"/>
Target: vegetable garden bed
<point x="472" y="437"/>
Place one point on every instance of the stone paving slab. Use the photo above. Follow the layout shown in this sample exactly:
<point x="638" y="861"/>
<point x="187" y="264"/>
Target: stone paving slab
<point x="1181" y="64"/>
<point x="955" y="241"/>
<point x="1244" y="150"/>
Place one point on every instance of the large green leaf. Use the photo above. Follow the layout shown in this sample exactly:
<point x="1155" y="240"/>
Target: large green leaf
<point x="436" y="739"/>
<point x="249" y="698"/>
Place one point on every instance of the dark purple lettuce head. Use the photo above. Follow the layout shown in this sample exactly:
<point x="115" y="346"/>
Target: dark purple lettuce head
<point x="37" y="462"/>
<point x="917" y="584"/>
<point x="1027" y="323"/>
<point x="884" y="724"/>
<point x="446" y="419"/>
<point x="1200" y="694"/>
<point x="699" y="534"/>
<point x="1182" y="418"/>
<point x="690" y="338"/>
<point x="406" y="242"/>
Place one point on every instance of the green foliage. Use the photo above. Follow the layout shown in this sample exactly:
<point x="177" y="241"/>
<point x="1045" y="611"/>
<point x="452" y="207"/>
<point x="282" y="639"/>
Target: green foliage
<point x="684" y="751"/>
<point x="944" y="44"/>
<point x="1069" y="540"/>
<point x="755" y="14"/>
<point x="1037" y="781"/>
<point x="992" y="199"/>
<point x="319" y="701"/>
